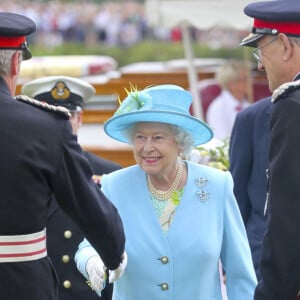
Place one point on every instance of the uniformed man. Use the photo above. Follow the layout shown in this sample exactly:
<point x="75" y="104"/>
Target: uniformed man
<point x="40" y="157"/>
<point x="276" y="36"/>
<point x="63" y="236"/>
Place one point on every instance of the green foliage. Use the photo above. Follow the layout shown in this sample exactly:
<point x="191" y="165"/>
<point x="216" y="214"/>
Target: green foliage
<point x="218" y="157"/>
<point x="143" y="51"/>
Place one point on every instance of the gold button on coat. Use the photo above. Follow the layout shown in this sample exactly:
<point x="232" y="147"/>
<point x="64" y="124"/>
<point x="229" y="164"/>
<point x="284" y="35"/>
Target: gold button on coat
<point x="67" y="234"/>
<point x="164" y="286"/>
<point x="65" y="258"/>
<point x="164" y="259"/>
<point x="67" y="284"/>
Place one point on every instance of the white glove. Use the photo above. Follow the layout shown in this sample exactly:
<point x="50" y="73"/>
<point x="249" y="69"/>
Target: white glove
<point x="96" y="271"/>
<point x="118" y="272"/>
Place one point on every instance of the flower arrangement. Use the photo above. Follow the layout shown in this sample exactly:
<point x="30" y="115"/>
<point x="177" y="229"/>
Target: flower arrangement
<point x="214" y="155"/>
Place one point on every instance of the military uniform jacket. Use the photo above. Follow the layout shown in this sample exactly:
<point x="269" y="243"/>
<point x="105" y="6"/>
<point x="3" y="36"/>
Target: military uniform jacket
<point x="63" y="238"/>
<point x="40" y="157"/>
<point x="183" y="264"/>
<point x="280" y="265"/>
<point x="249" y="145"/>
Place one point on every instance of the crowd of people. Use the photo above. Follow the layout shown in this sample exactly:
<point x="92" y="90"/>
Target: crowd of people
<point x="109" y="23"/>
<point x="162" y="227"/>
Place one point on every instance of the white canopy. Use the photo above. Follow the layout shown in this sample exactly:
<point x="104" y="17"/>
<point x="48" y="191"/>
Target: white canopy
<point x="202" y="14"/>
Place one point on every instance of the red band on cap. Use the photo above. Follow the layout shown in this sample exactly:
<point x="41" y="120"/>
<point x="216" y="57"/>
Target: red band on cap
<point x="285" y="27"/>
<point x="11" y="41"/>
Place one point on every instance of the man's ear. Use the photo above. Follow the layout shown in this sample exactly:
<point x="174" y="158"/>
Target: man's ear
<point x="16" y="62"/>
<point x="287" y="44"/>
<point x="80" y="116"/>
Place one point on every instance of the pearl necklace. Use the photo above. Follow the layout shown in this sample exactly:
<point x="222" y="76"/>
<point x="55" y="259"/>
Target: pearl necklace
<point x="165" y="195"/>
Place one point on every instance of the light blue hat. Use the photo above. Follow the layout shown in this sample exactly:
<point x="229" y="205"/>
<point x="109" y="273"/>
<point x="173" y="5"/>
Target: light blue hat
<point x="162" y="103"/>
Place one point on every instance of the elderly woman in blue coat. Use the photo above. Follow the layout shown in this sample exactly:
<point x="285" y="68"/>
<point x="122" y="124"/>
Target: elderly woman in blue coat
<point x="180" y="218"/>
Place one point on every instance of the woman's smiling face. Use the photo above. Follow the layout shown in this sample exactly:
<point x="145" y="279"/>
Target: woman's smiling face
<point x="155" y="148"/>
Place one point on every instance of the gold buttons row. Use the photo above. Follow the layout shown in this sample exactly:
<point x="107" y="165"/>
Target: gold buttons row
<point x="164" y="286"/>
<point x="66" y="259"/>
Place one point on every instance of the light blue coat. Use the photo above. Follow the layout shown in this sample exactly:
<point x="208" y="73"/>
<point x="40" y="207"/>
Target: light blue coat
<point x="184" y="263"/>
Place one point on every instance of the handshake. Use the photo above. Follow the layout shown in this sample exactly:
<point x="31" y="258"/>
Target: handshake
<point x="98" y="272"/>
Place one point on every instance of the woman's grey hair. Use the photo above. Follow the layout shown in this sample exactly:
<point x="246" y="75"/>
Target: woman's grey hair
<point x="183" y="138"/>
<point x="5" y="61"/>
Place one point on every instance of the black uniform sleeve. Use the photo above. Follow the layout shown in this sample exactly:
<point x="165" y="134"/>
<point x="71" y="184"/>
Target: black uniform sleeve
<point x="80" y="198"/>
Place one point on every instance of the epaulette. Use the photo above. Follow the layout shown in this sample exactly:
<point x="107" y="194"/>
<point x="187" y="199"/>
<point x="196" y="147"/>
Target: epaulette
<point x="59" y="109"/>
<point x="284" y="89"/>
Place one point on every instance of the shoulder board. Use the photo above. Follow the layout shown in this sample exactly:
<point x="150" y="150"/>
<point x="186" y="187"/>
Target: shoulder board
<point x="58" y="109"/>
<point x="284" y="89"/>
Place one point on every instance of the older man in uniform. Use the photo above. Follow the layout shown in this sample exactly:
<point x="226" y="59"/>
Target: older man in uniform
<point x="276" y="34"/>
<point x="40" y="157"/>
<point x="63" y="236"/>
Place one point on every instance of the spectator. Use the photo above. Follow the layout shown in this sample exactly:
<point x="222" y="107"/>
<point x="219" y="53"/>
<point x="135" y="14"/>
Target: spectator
<point x="232" y="77"/>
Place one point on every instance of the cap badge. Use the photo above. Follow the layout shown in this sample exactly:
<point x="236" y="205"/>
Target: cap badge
<point x="60" y="91"/>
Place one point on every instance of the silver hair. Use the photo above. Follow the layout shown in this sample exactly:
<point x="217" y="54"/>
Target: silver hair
<point x="5" y="61"/>
<point x="231" y="71"/>
<point x="182" y="138"/>
<point x="296" y="40"/>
